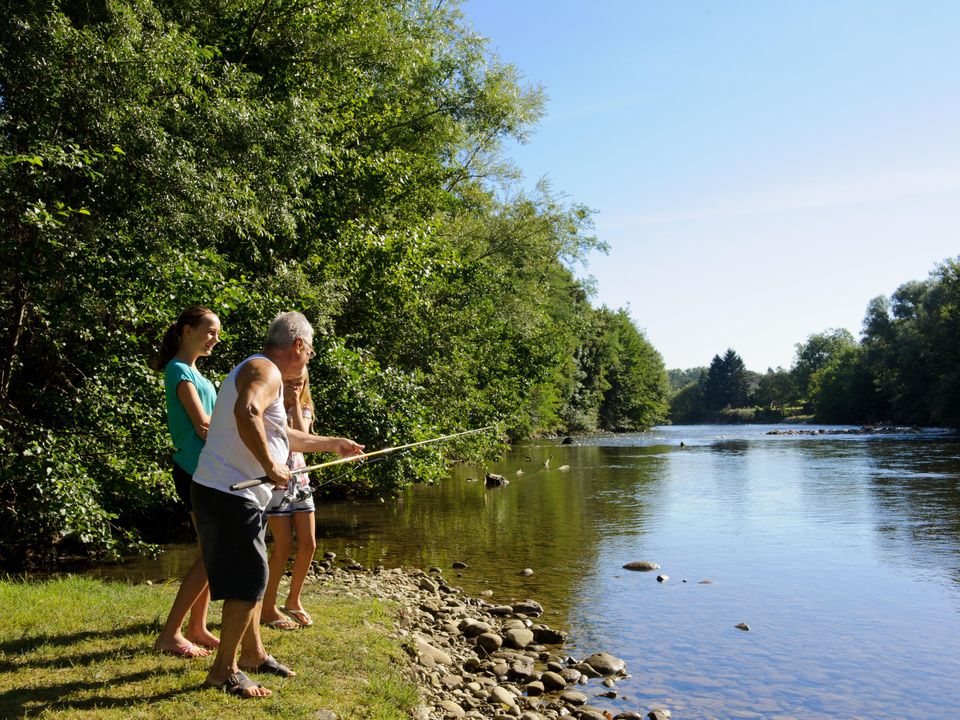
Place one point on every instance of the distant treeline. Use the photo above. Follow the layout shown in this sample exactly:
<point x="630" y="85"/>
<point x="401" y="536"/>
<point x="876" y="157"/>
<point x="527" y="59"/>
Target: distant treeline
<point x="340" y="158"/>
<point x="905" y="368"/>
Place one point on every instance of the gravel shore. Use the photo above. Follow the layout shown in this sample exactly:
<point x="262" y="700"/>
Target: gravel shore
<point x="475" y="659"/>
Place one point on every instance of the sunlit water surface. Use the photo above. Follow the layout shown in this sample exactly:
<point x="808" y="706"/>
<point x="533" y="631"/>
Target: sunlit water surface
<point x="841" y="554"/>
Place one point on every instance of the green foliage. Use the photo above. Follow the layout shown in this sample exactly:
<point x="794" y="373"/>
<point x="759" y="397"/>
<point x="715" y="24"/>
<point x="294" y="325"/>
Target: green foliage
<point x="686" y="405"/>
<point x="638" y="392"/>
<point x="843" y="389"/>
<point x="679" y="379"/>
<point x="343" y="159"/>
<point x="910" y="348"/>
<point x="817" y="352"/>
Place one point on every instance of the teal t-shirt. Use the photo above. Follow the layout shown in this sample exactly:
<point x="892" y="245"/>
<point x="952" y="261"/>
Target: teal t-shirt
<point x="186" y="442"/>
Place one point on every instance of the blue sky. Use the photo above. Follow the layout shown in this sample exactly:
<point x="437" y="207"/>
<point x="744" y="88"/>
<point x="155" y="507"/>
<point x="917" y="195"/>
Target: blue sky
<point x="760" y="170"/>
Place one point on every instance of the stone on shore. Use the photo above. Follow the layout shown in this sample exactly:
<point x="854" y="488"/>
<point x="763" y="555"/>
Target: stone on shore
<point x="553" y="681"/>
<point x="501" y="695"/>
<point x="430" y="655"/>
<point x="518" y="638"/>
<point x="452" y="709"/>
<point x="489" y="641"/>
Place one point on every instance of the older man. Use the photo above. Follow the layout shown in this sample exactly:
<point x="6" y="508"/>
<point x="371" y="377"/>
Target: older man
<point x="248" y="438"/>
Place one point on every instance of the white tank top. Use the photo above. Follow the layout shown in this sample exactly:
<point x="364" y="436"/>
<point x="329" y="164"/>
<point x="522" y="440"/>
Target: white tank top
<point x="225" y="460"/>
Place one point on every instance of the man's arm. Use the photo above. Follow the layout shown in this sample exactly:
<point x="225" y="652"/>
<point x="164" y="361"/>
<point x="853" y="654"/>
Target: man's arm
<point x="305" y="442"/>
<point x="258" y="384"/>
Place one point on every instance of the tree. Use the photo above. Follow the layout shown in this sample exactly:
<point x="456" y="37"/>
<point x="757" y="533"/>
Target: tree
<point x="816" y="352"/>
<point x="775" y="389"/>
<point x="638" y="393"/>
<point x="842" y="391"/>
<point x="726" y="384"/>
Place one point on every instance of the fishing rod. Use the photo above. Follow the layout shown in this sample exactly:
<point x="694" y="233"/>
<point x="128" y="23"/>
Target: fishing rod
<point x="355" y="458"/>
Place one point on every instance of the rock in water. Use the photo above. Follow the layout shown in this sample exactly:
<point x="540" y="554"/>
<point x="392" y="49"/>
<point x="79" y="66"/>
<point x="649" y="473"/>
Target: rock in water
<point x="605" y="663"/>
<point x="641" y="565"/>
<point x="742" y="626"/>
<point x="662" y="578"/>
<point x="493" y="480"/>
<point x="528" y="607"/>
<point x="573" y="697"/>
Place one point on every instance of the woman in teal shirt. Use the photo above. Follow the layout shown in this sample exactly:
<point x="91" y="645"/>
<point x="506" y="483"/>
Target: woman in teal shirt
<point x="190" y="398"/>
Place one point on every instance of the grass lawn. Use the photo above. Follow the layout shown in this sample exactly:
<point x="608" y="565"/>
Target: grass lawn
<point x="79" y="648"/>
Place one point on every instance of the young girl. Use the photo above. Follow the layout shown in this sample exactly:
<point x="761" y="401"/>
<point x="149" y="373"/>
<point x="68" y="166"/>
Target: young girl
<point x="290" y="510"/>
<point x="190" y="398"/>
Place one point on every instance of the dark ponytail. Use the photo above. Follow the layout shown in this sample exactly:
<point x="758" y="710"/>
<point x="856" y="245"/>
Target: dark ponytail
<point x="170" y="344"/>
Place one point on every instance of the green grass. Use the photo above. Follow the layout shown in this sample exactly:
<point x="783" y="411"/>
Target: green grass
<point x="81" y="648"/>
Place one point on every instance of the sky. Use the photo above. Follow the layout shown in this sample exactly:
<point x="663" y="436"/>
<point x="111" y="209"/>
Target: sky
<point x="760" y="169"/>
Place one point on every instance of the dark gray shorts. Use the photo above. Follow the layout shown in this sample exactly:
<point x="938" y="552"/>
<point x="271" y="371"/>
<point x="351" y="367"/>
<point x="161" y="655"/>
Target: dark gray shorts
<point x="231" y="530"/>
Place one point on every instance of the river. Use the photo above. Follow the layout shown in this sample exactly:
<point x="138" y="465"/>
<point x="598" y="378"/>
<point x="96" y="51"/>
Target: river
<point x="840" y="552"/>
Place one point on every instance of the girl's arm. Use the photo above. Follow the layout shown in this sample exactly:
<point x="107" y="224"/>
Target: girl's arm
<point x="190" y="399"/>
<point x="297" y="420"/>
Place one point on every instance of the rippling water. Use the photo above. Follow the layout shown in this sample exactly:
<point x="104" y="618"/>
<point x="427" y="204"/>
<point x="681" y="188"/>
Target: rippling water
<point x="841" y="553"/>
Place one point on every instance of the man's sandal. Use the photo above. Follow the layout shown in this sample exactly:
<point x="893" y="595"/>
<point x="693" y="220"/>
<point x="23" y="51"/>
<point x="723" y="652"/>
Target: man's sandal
<point x="272" y="667"/>
<point x="237" y="684"/>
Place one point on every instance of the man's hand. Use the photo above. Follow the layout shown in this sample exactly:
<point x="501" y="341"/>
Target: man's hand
<point x="279" y="474"/>
<point x="344" y="447"/>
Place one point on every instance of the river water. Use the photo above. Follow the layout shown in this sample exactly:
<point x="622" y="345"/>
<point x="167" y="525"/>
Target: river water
<point x="840" y="552"/>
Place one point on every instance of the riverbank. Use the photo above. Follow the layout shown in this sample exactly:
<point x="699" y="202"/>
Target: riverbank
<point x="386" y="644"/>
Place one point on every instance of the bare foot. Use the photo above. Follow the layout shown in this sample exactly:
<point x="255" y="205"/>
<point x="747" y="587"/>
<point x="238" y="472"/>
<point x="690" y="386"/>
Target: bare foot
<point x="271" y="614"/>
<point x="204" y="638"/>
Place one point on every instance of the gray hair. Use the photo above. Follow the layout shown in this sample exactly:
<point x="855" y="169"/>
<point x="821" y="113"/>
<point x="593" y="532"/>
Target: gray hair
<point x="286" y="328"/>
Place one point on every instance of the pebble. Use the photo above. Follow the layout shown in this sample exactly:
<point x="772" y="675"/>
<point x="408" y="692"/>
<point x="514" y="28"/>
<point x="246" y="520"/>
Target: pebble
<point x="662" y="578"/>
<point x="526" y="572"/>
<point x="742" y="626"/>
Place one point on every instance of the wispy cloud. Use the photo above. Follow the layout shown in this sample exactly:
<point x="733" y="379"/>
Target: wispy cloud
<point x="825" y="194"/>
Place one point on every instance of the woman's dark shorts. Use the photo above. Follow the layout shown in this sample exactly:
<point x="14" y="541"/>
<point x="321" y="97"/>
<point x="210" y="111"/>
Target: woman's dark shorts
<point x="232" y="543"/>
<point x="182" y="480"/>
